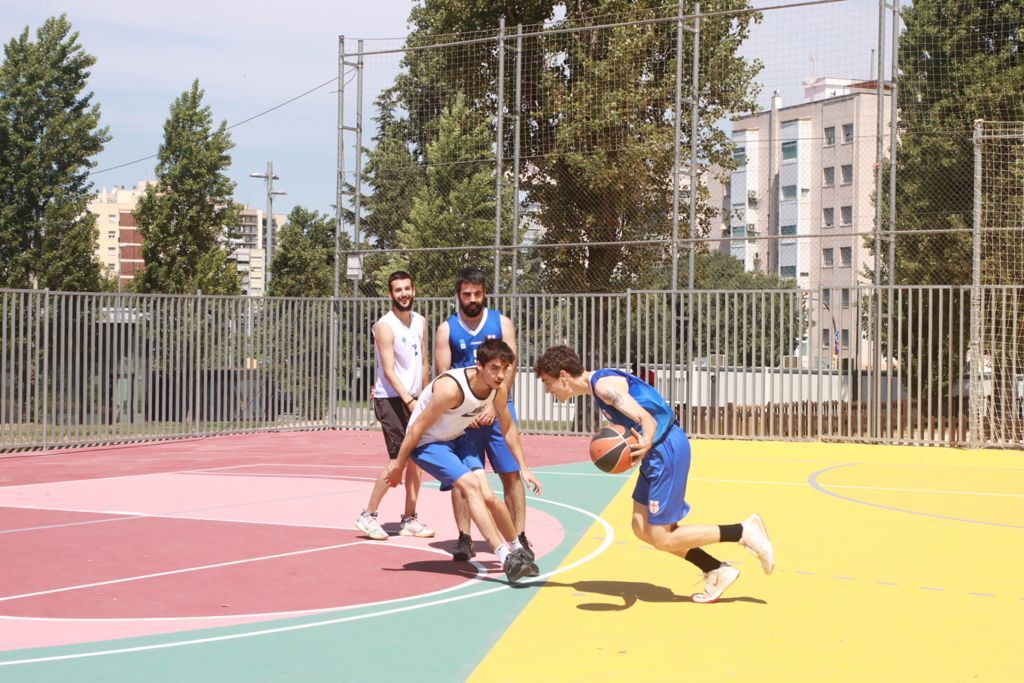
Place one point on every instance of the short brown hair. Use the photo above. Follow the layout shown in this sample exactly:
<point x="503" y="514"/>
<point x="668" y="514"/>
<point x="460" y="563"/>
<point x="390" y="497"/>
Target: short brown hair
<point x="400" y="275"/>
<point x="494" y="349"/>
<point x="556" y="359"/>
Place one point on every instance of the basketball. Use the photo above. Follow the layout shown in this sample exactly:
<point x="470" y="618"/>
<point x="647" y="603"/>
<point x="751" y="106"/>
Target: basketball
<point x="609" y="449"/>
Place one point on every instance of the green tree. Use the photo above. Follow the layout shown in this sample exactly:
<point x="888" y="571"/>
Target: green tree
<point x="304" y="265"/>
<point x="49" y="131"/>
<point x="454" y="207"/>
<point x="183" y="216"/>
<point x="959" y="61"/>
<point x="597" y="126"/>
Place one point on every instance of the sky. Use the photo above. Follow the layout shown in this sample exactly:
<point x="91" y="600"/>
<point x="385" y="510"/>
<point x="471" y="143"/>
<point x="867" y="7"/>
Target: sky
<point x="248" y="56"/>
<point x="251" y="56"/>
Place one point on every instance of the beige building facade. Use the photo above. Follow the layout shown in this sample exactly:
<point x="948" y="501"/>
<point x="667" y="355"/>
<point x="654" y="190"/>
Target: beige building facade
<point x="801" y="202"/>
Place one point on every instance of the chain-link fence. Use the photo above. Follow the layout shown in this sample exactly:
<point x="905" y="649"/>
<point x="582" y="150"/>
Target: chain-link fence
<point x="784" y="217"/>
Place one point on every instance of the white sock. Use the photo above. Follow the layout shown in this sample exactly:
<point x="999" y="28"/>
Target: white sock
<point x="515" y="545"/>
<point x="502" y="551"/>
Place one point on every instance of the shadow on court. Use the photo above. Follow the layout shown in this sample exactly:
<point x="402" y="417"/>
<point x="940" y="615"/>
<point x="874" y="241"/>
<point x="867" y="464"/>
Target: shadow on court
<point x="630" y="592"/>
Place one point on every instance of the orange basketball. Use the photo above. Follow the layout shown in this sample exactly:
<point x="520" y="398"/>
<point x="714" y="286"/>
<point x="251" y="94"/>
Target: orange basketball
<point x="609" y="449"/>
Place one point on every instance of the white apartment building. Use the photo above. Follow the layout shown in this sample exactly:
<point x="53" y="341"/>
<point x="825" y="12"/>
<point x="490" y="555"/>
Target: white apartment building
<point x="800" y="203"/>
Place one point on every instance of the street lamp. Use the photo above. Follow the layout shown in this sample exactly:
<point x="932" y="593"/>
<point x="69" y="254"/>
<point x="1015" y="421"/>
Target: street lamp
<point x="269" y="226"/>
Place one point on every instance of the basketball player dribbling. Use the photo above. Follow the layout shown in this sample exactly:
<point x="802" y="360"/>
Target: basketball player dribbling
<point x="663" y="451"/>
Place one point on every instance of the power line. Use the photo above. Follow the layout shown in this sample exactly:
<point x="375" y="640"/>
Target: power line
<point x="234" y="125"/>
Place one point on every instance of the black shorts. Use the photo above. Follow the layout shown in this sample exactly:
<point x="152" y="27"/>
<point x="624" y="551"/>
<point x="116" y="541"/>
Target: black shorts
<point x="393" y="415"/>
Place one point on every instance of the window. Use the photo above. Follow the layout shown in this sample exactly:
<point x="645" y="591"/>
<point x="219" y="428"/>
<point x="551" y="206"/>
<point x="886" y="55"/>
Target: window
<point x="111" y="218"/>
<point x="826" y="338"/>
<point x="111" y="234"/>
<point x="845" y="256"/>
<point x="847" y="133"/>
<point x="788" y="192"/>
<point x="112" y="249"/>
<point x="787" y="229"/>
<point x="846" y="298"/>
<point x="845" y="334"/>
<point x="788" y="271"/>
<point x="847" y="174"/>
<point x="826" y="297"/>
<point x="846" y="215"/>
<point x="111" y="267"/>
<point x="830" y="136"/>
<point x="739" y="231"/>
<point x="828" y="176"/>
<point x="739" y="155"/>
<point x="827" y="258"/>
<point x="789" y="150"/>
<point x="805" y="193"/>
<point x="828" y="217"/>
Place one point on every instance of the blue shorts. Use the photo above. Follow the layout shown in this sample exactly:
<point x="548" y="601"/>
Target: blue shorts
<point x="489" y="441"/>
<point x="447" y="461"/>
<point x="662" y="483"/>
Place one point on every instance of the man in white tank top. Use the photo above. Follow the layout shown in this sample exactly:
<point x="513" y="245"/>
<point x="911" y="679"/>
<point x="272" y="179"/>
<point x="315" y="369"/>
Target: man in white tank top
<point x="399" y="342"/>
<point x="435" y="440"/>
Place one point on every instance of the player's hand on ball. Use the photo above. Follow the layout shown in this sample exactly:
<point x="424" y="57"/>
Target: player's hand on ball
<point x="641" y="446"/>
<point x="532" y="482"/>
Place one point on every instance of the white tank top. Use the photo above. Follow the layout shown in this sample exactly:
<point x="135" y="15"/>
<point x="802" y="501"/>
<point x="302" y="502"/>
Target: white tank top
<point x="408" y="348"/>
<point x="453" y="422"/>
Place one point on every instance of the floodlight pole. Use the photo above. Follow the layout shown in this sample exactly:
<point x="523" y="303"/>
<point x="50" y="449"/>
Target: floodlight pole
<point x="269" y="240"/>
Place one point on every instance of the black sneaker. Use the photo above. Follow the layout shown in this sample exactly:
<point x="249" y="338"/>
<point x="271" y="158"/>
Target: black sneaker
<point x="527" y="550"/>
<point x="529" y="566"/>
<point x="463" y="549"/>
<point x="516" y="566"/>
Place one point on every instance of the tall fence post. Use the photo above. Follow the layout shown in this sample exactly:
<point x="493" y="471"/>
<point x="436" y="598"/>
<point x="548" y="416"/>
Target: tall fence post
<point x="518" y="119"/>
<point x="678" y="139"/>
<point x="694" y="123"/>
<point x="499" y="152"/>
<point x="976" y="393"/>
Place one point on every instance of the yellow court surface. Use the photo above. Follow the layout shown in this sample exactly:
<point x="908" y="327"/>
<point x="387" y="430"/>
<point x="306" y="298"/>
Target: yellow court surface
<point x="892" y="564"/>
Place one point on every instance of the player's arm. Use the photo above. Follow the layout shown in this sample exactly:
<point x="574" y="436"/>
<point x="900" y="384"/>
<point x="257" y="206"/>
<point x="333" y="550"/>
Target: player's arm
<point x="511" y="434"/>
<point x="508" y="335"/>
<point x="426" y="357"/>
<point x="615" y="392"/>
<point x="442" y="351"/>
<point x="446" y="395"/>
<point x="384" y="338"/>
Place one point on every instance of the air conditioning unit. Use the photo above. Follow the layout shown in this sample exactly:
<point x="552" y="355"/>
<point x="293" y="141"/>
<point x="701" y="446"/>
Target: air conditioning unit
<point x="717" y="360"/>
<point x="792" y="362"/>
<point x="752" y="197"/>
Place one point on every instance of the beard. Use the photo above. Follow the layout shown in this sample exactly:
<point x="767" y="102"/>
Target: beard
<point x="472" y="310"/>
<point x="400" y="308"/>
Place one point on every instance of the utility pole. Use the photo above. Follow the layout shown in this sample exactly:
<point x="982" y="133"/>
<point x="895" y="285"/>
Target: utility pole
<point x="269" y="224"/>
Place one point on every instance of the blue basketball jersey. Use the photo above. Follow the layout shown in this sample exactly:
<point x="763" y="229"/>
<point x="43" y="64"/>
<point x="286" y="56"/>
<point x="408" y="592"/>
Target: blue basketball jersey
<point x="464" y="342"/>
<point x="644" y="394"/>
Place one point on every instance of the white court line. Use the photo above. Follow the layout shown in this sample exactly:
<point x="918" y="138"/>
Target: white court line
<point x="481" y="570"/>
<point x="609" y="538"/>
<point x="869" y="488"/>
<point x="141" y="577"/>
<point x="803" y="484"/>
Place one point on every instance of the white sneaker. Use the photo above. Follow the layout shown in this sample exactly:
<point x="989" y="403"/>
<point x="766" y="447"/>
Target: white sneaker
<point x="411" y="526"/>
<point x="755" y="539"/>
<point x="715" y="583"/>
<point x="368" y="524"/>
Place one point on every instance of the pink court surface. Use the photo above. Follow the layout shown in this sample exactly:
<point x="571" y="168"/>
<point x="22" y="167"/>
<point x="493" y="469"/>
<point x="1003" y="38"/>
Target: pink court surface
<point x="237" y="559"/>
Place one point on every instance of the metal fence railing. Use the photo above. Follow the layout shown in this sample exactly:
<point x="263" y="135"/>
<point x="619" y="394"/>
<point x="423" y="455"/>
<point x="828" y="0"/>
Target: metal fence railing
<point x="885" y="365"/>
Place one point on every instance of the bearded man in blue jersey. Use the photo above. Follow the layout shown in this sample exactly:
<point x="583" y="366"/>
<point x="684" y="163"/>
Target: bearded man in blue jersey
<point x="663" y="451"/>
<point x="455" y="345"/>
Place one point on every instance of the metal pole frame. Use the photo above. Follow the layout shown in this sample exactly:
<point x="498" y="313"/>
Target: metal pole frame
<point x="499" y="152"/>
<point x="518" y="118"/>
<point x="678" y="139"/>
<point x="975" y="393"/>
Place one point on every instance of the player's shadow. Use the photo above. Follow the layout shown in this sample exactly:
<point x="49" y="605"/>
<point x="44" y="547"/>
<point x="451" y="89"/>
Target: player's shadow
<point x="630" y="592"/>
